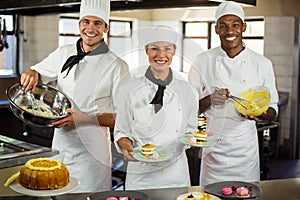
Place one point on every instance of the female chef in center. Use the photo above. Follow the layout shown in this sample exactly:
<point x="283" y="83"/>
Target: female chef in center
<point x="156" y="108"/>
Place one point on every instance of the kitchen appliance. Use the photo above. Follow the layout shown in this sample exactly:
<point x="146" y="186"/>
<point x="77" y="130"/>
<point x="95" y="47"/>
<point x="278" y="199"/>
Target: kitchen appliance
<point x="16" y="152"/>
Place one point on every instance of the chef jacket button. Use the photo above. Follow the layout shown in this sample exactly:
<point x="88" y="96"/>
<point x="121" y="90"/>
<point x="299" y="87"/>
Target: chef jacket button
<point x="244" y="81"/>
<point x="176" y="131"/>
<point x="179" y="109"/>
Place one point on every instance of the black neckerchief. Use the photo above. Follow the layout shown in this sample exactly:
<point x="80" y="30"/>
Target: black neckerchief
<point x="158" y="98"/>
<point x="73" y="60"/>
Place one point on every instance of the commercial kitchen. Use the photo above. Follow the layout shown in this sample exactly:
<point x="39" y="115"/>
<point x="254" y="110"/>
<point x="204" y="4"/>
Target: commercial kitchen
<point x="33" y="29"/>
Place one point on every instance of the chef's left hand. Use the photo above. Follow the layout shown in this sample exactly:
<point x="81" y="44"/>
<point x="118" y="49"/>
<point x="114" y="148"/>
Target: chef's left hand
<point x="269" y="115"/>
<point x="250" y="117"/>
<point x="74" y="116"/>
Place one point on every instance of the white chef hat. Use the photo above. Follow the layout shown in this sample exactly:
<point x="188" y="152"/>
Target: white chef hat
<point x="230" y="8"/>
<point x="98" y="8"/>
<point x="158" y="33"/>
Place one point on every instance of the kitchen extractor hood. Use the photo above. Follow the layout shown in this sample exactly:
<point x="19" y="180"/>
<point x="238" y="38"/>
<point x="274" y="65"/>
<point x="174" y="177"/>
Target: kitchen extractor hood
<point x="39" y="7"/>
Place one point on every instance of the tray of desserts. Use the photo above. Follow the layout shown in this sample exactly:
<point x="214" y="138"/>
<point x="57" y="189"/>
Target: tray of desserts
<point x="17" y="187"/>
<point x="42" y="177"/>
<point x="233" y="190"/>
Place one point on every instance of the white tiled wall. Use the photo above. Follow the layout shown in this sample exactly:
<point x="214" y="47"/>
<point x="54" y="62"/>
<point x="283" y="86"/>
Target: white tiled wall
<point x="41" y="38"/>
<point x="279" y="47"/>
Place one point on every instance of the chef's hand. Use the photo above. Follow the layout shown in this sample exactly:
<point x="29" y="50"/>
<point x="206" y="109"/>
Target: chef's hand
<point x="269" y="115"/>
<point x="126" y="145"/>
<point x="74" y="116"/>
<point x="29" y="80"/>
<point x="219" y="96"/>
<point x="250" y="117"/>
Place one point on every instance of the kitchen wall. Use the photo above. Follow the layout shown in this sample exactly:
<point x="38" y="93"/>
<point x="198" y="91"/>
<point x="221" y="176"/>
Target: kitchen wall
<point x="281" y="44"/>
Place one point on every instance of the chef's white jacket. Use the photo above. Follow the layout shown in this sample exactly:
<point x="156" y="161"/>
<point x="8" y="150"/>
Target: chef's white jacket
<point x="236" y="155"/>
<point x="137" y="120"/>
<point x="91" y="84"/>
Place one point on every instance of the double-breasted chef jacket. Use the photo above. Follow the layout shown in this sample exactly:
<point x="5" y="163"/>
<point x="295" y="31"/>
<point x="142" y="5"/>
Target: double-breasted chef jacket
<point x="137" y="120"/>
<point x="236" y="156"/>
<point x="91" y="84"/>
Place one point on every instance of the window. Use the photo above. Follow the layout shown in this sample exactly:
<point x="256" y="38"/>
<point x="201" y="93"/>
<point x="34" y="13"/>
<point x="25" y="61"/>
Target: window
<point x="200" y="36"/>
<point x="120" y="40"/>
<point x="196" y="40"/>
<point x="7" y="50"/>
<point x="68" y="30"/>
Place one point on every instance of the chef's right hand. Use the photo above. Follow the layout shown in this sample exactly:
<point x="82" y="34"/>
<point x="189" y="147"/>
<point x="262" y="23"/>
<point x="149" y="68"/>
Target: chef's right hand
<point x="126" y="145"/>
<point x="219" y="96"/>
<point x="29" y="80"/>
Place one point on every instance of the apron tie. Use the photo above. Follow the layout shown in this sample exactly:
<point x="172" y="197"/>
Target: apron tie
<point x="73" y="60"/>
<point x="158" y="98"/>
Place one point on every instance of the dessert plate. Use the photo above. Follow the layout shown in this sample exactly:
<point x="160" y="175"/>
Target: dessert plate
<point x="197" y="195"/>
<point x="186" y="138"/>
<point x="164" y="154"/>
<point x="216" y="189"/>
<point x="17" y="187"/>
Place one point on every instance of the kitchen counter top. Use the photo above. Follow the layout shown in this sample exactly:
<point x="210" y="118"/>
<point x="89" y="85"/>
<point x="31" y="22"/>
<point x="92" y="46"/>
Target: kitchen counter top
<point x="15" y="152"/>
<point x="287" y="189"/>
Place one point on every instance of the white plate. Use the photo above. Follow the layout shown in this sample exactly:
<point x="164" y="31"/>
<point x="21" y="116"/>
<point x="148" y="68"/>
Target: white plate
<point x="211" y="141"/>
<point x="17" y="187"/>
<point x="161" y="150"/>
<point x="197" y="195"/>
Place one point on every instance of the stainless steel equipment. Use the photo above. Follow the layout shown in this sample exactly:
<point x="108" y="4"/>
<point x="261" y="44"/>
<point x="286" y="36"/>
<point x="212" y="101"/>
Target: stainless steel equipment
<point x="15" y="152"/>
<point x="34" y="107"/>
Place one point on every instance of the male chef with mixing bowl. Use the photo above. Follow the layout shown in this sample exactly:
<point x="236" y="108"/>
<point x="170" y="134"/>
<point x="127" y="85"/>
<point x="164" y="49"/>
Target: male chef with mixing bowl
<point x="231" y="68"/>
<point x="89" y="73"/>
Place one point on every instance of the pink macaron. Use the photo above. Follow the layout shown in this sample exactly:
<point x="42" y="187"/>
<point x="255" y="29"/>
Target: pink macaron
<point x="242" y="192"/>
<point x="227" y="191"/>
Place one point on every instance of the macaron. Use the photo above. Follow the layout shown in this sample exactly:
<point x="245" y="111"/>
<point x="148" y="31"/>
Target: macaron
<point x="227" y="191"/>
<point x="242" y="192"/>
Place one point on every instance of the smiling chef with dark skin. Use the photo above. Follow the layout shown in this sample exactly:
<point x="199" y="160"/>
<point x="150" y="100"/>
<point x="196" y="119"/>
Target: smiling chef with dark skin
<point x="89" y="73"/>
<point x="234" y="69"/>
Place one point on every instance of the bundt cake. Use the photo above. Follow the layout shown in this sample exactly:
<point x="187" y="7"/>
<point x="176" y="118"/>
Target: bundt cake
<point x="43" y="174"/>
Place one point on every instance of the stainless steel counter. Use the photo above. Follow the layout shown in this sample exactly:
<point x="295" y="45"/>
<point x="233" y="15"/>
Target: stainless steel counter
<point x="287" y="189"/>
<point x="15" y="152"/>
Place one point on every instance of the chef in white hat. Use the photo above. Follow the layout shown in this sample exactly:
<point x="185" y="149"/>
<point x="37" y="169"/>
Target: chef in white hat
<point x="156" y="108"/>
<point x="89" y="73"/>
<point x="234" y="69"/>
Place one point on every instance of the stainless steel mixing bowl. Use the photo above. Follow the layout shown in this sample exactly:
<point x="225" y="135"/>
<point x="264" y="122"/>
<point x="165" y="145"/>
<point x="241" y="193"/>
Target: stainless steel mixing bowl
<point x="43" y="97"/>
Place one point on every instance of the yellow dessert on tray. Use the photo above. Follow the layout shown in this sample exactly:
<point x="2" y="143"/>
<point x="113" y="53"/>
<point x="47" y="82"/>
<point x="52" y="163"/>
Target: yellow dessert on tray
<point x="201" y="137"/>
<point x="43" y="174"/>
<point x="148" y="149"/>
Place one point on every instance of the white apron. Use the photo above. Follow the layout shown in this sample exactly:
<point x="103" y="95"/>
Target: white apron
<point x="178" y="115"/>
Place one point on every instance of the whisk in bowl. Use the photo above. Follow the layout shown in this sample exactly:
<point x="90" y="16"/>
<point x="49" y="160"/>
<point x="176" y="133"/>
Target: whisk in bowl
<point x="246" y="104"/>
<point x="243" y="102"/>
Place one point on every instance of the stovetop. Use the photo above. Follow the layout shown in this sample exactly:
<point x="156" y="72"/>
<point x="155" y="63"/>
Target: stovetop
<point x="15" y="152"/>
